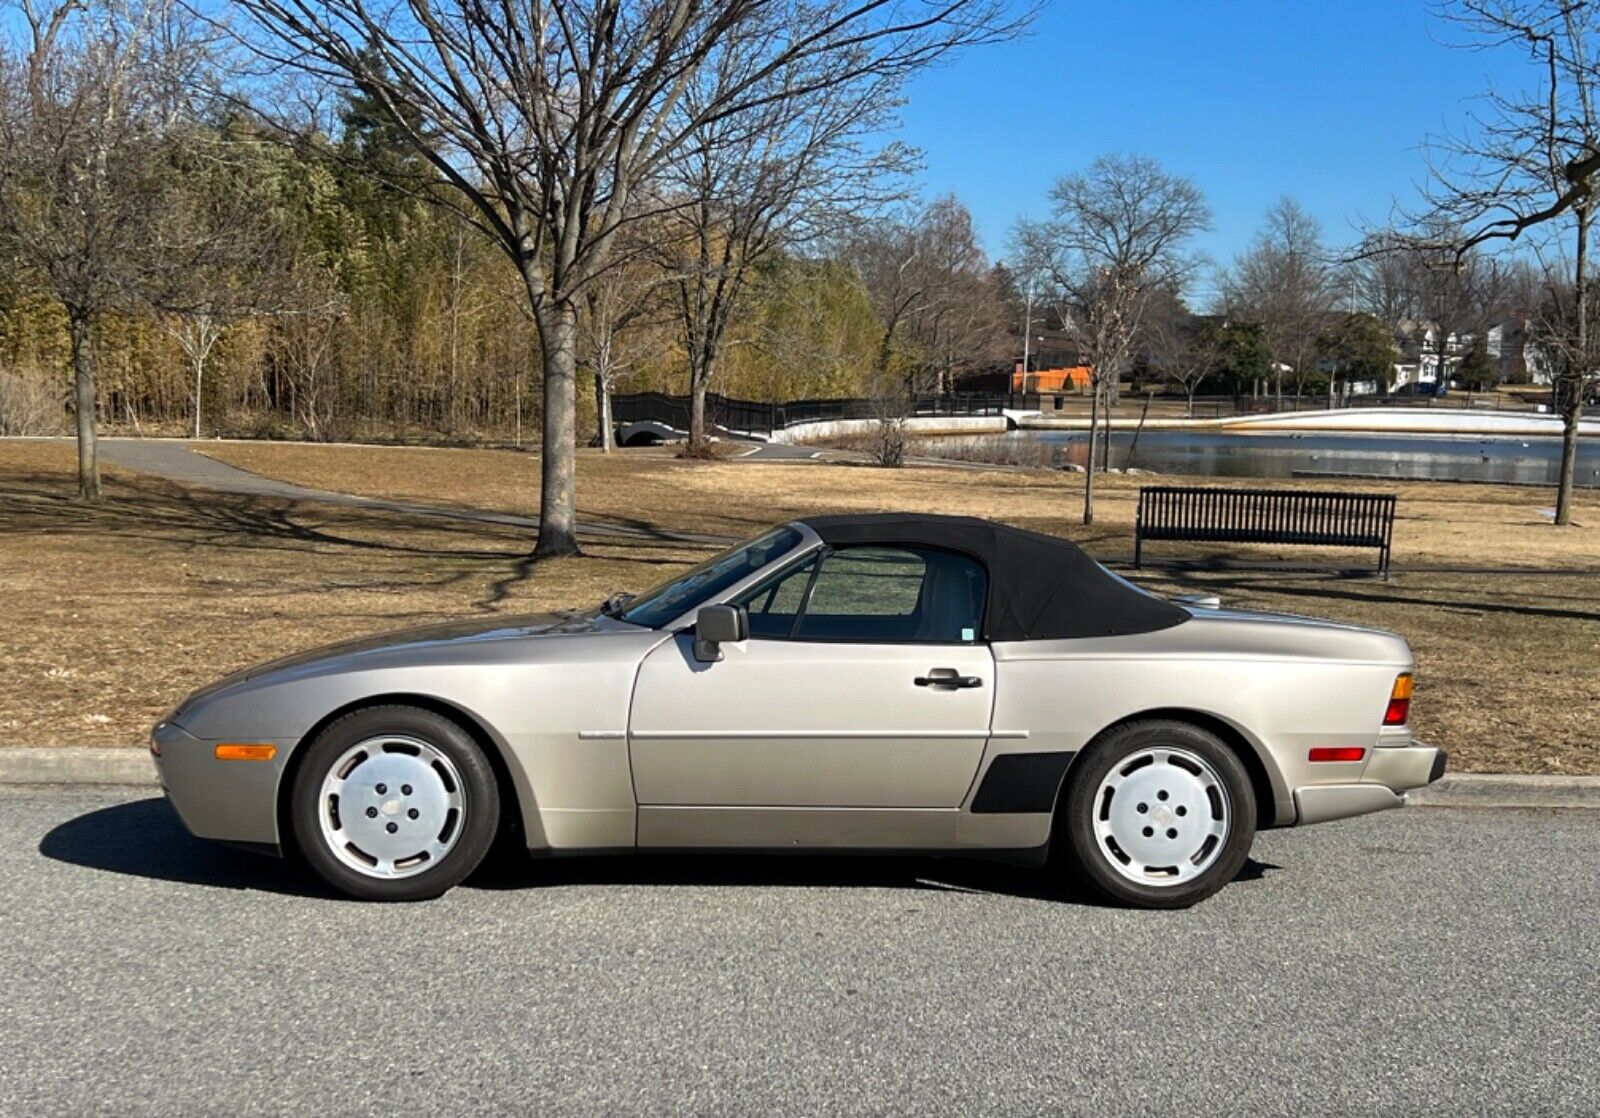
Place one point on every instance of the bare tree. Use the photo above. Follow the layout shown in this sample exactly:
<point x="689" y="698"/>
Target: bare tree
<point x="237" y="267"/>
<point x="964" y="324"/>
<point x="545" y="118"/>
<point x="915" y="269"/>
<point x="775" y="177"/>
<point x="1287" y="282"/>
<point x="621" y="305"/>
<point x="1182" y="348"/>
<point x="1382" y="285"/>
<point x="88" y="131"/>
<point x="1526" y="165"/>
<point x="1119" y="234"/>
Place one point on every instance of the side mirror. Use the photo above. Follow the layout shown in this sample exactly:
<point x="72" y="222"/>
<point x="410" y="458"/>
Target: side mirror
<point x="715" y="626"/>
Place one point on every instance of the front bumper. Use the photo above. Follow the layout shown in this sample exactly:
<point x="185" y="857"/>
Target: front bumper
<point x="229" y="801"/>
<point x="1391" y="771"/>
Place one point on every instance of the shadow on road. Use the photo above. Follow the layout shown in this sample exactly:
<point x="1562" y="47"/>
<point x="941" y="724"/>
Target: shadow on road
<point x="145" y="839"/>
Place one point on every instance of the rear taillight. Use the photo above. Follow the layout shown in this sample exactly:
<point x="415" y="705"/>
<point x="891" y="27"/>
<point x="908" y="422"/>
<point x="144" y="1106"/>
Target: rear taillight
<point x="1399" y="708"/>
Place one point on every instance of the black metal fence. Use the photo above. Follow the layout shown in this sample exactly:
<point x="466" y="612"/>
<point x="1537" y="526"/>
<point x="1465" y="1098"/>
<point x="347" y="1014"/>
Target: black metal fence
<point x="756" y="417"/>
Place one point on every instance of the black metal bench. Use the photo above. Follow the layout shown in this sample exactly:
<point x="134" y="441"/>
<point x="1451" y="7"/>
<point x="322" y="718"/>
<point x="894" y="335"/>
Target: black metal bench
<point x="1176" y="512"/>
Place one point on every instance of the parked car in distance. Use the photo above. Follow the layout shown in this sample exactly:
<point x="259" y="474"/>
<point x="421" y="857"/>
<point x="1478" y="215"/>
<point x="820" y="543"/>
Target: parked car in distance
<point x="867" y="683"/>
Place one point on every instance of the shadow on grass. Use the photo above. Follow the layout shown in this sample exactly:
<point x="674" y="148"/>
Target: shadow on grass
<point x="1437" y="592"/>
<point x="145" y="839"/>
<point x="144" y="514"/>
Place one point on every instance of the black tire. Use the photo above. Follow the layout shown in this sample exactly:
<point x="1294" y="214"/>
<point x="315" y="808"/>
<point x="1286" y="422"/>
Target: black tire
<point x="474" y="830"/>
<point x="1095" y="860"/>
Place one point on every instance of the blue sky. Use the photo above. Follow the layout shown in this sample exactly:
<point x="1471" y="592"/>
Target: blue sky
<point x="1328" y="102"/>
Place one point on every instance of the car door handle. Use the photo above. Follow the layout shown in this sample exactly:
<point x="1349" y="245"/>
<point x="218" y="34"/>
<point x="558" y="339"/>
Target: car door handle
<point x="948" y="677"/>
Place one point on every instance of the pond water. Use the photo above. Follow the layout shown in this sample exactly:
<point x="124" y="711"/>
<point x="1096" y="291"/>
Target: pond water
<point x="1530" y="460"/>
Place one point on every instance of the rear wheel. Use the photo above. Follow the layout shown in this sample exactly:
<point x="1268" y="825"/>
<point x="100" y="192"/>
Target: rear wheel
<point x="1159" y="814"/>
<point x="394" y="803"/>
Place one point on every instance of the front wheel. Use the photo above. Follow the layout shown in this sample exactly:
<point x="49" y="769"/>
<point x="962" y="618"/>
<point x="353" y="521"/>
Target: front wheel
<point x="394" y="803"/>
<point x="1159" y="814"/>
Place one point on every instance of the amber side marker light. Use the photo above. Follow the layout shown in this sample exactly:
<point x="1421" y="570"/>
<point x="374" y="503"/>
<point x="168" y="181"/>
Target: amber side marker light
<point x="1399" y="708"/>
<point x="1338" y="753"/>
<point x="232" y="751"/>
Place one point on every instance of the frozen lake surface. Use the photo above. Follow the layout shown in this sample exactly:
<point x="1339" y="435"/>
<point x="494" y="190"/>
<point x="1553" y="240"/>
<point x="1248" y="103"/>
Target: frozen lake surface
<point x="1530" y="460"/>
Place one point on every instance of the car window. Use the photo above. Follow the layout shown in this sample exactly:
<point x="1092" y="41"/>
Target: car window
<point x="894" y="594"/>
<point x="668" y="601"/>
<point x="774" y="605"/>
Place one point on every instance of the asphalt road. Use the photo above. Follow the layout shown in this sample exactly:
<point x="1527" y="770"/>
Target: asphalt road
<point x="1430" y="960"/>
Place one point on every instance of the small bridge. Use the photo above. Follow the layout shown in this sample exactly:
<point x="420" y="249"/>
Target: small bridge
<point x="644" y="418"/>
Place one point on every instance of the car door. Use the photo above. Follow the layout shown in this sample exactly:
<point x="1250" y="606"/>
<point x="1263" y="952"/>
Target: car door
<point x="863" y="684"/>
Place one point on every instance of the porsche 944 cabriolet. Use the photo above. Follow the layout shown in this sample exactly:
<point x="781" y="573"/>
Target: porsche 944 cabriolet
<point x="902" y="683"/>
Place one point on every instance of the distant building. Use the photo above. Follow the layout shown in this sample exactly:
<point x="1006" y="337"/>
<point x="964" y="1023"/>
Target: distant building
<point x="1510" y="346"/>
<point x="1070" y="378"/>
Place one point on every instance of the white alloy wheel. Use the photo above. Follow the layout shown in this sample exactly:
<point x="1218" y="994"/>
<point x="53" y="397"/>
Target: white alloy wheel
<point x="391" y="807"/>
<point x="1161" y="816"/>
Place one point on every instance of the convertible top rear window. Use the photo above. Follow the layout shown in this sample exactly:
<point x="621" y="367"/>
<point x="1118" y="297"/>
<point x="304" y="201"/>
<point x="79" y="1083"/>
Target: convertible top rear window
<point x="698" y="585"/>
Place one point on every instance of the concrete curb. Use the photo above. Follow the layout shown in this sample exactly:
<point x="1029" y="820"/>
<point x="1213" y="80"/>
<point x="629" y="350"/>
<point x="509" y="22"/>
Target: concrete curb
<point x="1509" y="790"/>
<point x="77" y="765"/>
<point x="132" y="767"/>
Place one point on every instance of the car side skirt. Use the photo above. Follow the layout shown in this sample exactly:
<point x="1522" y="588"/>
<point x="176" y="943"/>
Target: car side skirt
<point x="838" y="828"/>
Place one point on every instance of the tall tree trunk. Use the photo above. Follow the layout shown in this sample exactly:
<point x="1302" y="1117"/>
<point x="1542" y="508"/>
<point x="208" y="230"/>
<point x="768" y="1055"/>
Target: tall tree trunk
<point x="1572" y="404"/>
<point x="199" y="377"/>
<point x="701" y="370"/>
<point x="558" y="524"/>
<point x="1105" y="438"/>
<point x="1088" y="474"/>
<point x="84" y="404"/>
<point x="602" y="408"/>
<point x="697" y="408"/>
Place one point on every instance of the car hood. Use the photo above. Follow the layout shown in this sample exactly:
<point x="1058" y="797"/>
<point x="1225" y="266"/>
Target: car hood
<point x="444" y="641"/>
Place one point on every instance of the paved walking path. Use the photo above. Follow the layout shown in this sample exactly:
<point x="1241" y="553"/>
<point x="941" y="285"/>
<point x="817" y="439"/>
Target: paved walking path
<point x="178" y="460"/>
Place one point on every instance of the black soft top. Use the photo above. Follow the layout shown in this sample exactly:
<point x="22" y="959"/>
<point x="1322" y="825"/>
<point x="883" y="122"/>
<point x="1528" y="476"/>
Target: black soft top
<point x="1040" y="587"/>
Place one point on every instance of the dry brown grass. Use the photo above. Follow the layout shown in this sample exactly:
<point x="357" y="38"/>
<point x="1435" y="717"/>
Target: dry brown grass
<point x="1438" y="522"/>
<point x="116" y="611"/>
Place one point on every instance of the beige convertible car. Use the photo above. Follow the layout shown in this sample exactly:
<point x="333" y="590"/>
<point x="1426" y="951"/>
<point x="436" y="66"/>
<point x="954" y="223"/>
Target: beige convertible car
<point x="888" y="683"/>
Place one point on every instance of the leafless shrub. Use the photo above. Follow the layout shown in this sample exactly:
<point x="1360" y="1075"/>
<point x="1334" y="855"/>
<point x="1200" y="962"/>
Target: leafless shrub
<point x="890" y="406"/>
<point x="28" y="405"/>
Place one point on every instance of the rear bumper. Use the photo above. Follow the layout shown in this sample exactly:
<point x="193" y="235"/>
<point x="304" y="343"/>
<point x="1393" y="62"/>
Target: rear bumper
<point x="1391" y="771"/>
<point x="229" y="801"/>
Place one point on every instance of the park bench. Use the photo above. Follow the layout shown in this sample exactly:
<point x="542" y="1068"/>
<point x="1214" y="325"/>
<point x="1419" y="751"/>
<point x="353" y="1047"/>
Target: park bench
<point x="1176" y="512"/>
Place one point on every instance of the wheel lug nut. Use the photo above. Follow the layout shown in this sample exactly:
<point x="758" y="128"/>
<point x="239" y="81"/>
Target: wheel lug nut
<point x="372" y="813"/>
<point x="405" y="789"/>
<point x="412" y="814"/>
<point x="1172" y="833"/>
<point x="1148" y="832"/>
<point x="382" y="788"/>
<point x="1142" y="808"/>
<point x="1161" y="795"/>
<point x="1183" y="810"/>
<point x="392" y="827"/>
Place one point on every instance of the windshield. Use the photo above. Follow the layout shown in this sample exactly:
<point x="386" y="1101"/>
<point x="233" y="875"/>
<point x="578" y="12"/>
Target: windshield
<point x="699" y="584"/>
